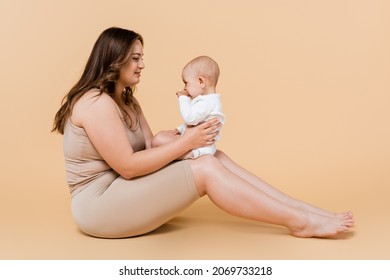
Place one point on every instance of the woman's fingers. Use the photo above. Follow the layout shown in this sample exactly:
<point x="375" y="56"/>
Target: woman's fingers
<point x="211" y="125"/>
<point x="213" y="130"/>
<point x="205" y="133"/>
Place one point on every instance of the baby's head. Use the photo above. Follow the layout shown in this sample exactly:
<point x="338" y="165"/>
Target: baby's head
<point x="200" y="76"/>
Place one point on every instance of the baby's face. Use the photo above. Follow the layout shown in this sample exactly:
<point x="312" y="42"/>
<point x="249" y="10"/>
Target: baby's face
<point x="192" y="83"/>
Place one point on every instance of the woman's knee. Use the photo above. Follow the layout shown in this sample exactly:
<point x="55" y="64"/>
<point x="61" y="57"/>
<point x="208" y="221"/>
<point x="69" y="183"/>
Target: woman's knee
<point x="219" y="154"/>
<point x="204" y="169"/>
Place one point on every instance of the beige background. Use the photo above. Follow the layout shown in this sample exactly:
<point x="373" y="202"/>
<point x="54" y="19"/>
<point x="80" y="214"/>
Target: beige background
<point x="305" y="89"/>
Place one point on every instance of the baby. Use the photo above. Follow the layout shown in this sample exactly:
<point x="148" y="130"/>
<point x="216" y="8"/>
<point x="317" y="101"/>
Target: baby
<point x="198" y="101"/>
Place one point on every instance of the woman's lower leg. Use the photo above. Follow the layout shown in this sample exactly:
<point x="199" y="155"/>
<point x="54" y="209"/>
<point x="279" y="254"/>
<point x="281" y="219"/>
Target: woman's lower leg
<point x="238" y="197"/>
<point x="271" y="191"/>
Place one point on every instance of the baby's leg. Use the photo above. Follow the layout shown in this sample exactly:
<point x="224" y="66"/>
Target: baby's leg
<point x="207" y="150"/>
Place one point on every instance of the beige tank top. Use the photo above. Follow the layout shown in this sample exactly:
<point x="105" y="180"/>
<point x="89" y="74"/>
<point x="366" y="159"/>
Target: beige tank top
<point x="83" y="163"/>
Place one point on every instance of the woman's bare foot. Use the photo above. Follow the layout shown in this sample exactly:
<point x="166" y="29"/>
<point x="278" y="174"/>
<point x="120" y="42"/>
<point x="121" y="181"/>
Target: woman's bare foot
<point x="317" y="225"/>
<point x="316" y="210"/>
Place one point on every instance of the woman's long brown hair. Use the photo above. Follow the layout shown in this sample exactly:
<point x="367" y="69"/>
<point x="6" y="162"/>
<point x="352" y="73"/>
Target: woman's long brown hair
<point x="109" y="54"/>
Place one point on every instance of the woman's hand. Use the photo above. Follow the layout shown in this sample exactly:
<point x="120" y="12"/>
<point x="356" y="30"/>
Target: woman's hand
<point x="203" y="134"/>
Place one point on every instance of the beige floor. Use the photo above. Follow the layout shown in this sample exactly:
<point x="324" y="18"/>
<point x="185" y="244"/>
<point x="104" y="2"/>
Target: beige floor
<point x="38" y="225"/>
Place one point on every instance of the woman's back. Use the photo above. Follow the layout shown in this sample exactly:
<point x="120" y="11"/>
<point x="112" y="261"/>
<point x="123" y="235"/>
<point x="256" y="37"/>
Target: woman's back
<point x="83" y="163"/>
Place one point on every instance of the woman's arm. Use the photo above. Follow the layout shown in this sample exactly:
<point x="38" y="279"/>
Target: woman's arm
<point x="100" y="119"/>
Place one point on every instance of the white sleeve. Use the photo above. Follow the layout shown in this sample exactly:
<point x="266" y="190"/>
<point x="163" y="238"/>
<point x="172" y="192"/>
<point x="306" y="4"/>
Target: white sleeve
<point x="193" y="112"/>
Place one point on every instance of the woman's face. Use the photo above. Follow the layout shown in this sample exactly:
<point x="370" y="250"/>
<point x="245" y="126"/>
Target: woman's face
<point x="130" y="74"/>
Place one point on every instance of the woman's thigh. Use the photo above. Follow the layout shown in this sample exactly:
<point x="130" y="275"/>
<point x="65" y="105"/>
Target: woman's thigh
<point x="140" y="205"/>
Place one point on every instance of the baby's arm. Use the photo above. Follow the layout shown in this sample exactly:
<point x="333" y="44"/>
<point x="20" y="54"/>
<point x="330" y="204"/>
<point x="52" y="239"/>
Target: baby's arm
<point x="195" y="112"/>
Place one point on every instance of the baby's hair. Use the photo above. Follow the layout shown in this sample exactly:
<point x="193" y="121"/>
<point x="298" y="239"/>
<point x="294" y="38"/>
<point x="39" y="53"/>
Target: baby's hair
<point x="204" y="66"/>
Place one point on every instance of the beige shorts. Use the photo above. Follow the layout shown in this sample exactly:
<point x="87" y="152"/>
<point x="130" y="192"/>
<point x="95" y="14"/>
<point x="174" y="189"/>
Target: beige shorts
<point x="113" y="207"/>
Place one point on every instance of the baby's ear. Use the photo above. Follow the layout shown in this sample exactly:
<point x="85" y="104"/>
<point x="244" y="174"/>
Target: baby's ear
<point x="202" y="81"/>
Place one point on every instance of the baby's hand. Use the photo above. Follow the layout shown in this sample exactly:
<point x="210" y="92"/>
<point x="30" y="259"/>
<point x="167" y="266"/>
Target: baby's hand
<point x="182" y="92"/>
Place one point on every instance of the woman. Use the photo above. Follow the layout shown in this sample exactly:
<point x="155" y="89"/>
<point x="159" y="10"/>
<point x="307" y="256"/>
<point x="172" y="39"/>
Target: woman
<point x="122" y="186"/>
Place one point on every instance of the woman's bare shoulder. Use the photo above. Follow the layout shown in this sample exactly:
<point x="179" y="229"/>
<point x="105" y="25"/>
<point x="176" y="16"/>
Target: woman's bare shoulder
<point x="89" y="103"/>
